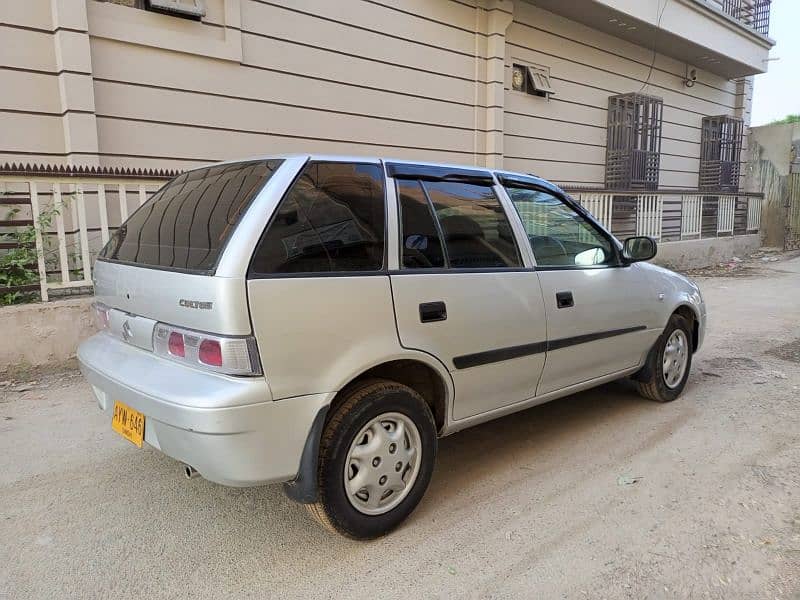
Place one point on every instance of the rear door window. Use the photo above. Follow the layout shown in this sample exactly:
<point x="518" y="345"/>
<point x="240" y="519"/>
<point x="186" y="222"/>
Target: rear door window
<point x="472" y="223"/>
<point x="422" y="244"/>
<point x="185" y="225"/>
<point x="332" y="219"/>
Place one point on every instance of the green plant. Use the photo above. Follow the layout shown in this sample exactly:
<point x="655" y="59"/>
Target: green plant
<point x="787" y="120"/>
<point x="17" y="265"/>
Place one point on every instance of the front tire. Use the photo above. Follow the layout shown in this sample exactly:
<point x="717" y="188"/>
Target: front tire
<point x="667" y="369"/>
<point x="376" y="459"/>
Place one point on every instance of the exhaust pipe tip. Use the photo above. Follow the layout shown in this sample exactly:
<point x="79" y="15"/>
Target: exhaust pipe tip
<point x="190" y="472"/>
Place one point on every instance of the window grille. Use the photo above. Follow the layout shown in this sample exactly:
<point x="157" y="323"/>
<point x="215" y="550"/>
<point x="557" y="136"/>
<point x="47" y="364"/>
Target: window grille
<point x="633" y="147"/>
<point x="720" y="153"/>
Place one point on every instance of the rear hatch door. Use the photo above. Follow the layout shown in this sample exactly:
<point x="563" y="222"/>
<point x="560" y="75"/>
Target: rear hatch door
<point x="162" y="264"/>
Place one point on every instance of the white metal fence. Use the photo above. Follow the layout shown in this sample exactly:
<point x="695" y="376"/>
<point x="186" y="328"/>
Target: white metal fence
<point x="675" y="216"/>
<point x="73" y="218"/>
<point x="649" y="215"/>
<point x="753" y="214"/>
<point x="691" y="216"/>
<point x="600" y="205"/>
<point x="726" y="214"/>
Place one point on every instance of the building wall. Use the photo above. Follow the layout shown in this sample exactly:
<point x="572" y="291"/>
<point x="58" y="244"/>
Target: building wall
<point x="99" y="83"/>
<point x="30" y="107"/>
<point x="564" y="138"/>
<point x="774" y="159"/>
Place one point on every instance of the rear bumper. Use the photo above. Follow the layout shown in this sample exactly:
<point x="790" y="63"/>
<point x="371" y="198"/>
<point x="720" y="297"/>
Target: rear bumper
<point x="218" y="424"/>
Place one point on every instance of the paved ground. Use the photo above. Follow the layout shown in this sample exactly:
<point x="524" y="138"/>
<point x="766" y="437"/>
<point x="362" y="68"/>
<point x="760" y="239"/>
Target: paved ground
<point x="538" y="505"/>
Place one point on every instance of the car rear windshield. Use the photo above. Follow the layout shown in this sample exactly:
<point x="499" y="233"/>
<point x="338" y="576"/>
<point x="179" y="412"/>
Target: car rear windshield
<point x="185" y="225"/>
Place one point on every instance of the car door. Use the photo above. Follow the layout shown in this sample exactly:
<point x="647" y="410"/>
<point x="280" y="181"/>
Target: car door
<point x="600" y="317"/>
<point x="462" y="292"/>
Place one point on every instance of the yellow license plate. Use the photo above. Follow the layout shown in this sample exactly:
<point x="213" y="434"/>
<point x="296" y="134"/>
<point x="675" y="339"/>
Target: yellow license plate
<point x="128" y="423"/>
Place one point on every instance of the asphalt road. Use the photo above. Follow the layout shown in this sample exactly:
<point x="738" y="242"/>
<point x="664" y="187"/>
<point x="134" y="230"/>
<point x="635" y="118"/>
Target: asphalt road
<point x="599" y="495"/>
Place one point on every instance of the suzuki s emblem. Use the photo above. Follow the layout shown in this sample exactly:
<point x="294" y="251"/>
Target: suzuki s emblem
<point x="127" y="332"/>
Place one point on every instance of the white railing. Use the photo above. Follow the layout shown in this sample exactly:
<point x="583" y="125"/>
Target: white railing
<point x="73" y="218"/>
<point x="753" y="214"/>
<point x="672" y="215"/>
<point x="649" y="215"/>
<point x="726" y="213"/>
<point x="691" y="216"/>
<point x="600" y="205"/>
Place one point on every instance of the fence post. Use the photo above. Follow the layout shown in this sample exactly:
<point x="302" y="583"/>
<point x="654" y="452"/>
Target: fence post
<point x="101" y="200"/>
<point x="86" y="259"/>
<point x="123" y="203"/>
<point x="34" y="196"/>
<point x="58" y="206"/>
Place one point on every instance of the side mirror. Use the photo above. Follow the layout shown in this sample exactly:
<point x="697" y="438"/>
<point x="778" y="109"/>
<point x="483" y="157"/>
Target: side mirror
<point x="639" y="248"/>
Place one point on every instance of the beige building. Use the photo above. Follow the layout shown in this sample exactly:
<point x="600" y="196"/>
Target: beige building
<point x="611" y="95"/>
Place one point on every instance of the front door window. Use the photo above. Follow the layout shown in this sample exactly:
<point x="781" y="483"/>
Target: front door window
<point x="559" y="235"/>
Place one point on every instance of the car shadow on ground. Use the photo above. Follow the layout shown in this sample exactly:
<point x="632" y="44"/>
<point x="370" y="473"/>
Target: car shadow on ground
<point x="523" y="440"/>
<point x="466" y="459"/>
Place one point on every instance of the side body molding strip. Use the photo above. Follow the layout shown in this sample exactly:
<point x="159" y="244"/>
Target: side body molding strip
<point x="500" y="354"/>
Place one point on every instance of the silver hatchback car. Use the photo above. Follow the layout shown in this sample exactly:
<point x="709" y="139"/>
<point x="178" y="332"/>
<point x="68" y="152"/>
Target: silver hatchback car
<point x="322" y="320"/>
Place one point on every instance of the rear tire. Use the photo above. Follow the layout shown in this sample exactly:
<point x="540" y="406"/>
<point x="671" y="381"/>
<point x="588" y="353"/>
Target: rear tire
<point x="667" y="368"/>
<point x="383" y="435"/>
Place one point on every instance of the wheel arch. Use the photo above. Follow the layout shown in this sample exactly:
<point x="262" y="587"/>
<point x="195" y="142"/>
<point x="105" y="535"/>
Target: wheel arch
<point x="419" y="371"/>
<point x="690" y="313"/>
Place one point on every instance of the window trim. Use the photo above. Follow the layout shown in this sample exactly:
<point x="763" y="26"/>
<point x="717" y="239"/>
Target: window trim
<point x="447" y="269"/>
<point x="422" y="172"/>
<point x="383" y="271"/>
<point x="515" y="182"/>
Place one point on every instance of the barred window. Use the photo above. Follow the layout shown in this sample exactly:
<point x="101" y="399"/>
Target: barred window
<point x="720" y="153"/>
<point x="633" y="147"/>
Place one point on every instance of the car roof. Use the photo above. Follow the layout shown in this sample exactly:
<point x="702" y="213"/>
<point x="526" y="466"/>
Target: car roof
<point x="529" y="178"/>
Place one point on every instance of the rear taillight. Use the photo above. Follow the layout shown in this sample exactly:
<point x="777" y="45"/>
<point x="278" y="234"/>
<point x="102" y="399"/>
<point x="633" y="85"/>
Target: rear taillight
<point x="231" y="355"/>
<point x="210" y="353"/>
<point x="100" y="315"/>
<point x="176" y="345"/>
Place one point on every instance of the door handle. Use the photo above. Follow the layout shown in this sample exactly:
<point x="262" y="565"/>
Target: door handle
<point x="430" y="312"/>
<point x="564" y="300"/>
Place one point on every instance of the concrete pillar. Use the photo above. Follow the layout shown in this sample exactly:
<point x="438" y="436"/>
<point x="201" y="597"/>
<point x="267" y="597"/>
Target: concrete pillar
<point x="493" y="21"/>
<point x="76" y="88"/>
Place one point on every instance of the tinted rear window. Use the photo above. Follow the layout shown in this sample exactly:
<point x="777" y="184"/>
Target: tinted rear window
<point x="185" y="225"/>
<point x="332" y="219"/>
